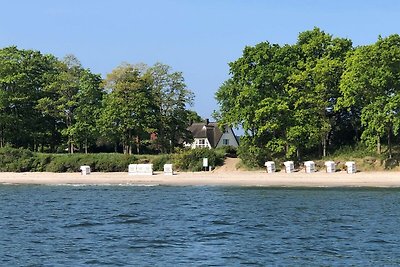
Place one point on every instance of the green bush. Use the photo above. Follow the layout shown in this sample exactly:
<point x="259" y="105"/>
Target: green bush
<point x="16" y="159"/>
<point x="23" y="160"/>
<point x="351" y="152"/>
<point x="40" y="161"/>
<point x="98" y="162"/>
<point x="192" y="159"/>
<point x="112" y="162"/>
<point x="229" y="151"/>
<point x="65" y="163"/>
<point x="159" y="161"/>
<point x="252" y="156"/>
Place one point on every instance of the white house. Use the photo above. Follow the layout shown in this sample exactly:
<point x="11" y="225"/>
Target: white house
<point x="209" y="135"/>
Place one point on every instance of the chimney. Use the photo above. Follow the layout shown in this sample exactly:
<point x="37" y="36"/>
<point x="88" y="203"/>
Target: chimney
<point x="207" y="121"/>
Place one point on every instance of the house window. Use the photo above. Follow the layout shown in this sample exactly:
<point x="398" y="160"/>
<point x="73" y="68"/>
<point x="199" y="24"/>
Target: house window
<point x="201" y="143"/>
<point x="225" y="142"/>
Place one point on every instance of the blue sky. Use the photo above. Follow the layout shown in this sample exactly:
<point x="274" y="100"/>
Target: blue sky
<point x="196" y="37"/>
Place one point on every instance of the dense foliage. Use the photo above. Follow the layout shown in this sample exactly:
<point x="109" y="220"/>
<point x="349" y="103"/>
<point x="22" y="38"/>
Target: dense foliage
<point x="53" y="105"/>
<point x="191" y="159"/>
<point x="313" y="97"/>
<point x="24" y="160"/>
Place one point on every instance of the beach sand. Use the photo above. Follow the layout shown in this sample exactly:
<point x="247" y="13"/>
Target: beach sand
<point x="219" y="178"/>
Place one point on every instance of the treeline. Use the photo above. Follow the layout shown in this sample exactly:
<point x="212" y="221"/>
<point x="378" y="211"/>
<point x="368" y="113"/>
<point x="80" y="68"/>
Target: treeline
<point x="313" y="97"/>
<point x="53" y="105"/>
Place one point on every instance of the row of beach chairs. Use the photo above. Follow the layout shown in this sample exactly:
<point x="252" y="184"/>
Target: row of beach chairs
<point x="310" y="166"/>
<point x="136" y="169"/>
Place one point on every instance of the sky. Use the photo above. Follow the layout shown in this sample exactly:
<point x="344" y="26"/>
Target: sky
<point x="196" y="37"/>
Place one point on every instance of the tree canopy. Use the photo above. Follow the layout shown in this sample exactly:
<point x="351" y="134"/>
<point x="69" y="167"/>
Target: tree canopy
<point x="312" y="96"/>
<point x="51" y="104"/>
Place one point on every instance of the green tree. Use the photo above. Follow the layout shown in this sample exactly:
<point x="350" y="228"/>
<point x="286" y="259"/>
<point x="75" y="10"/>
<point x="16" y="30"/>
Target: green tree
<point x="371" y="83"/>
<point x="88" y="108"/>
<point x="171" y="98"/>
<point x="60" y="100"/>
<point x="193" y="116"/>
<point x="256" y="99"/>
<point x="71" y="101"/>
<point x="23" y="75"/>
<point x="314" y="88"/>
<point x="128" y="114"/>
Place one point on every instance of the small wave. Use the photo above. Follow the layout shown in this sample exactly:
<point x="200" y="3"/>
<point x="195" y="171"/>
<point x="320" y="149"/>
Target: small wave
<point x="334" y="220"/>
<point x="379" y="241"/>
<point x="98" y="185"/>
<point x="40" y="231"/>
<point x="129" y="219"/>
<point x="218" y="235"/>
<point x="131" y="184"/>
<point x="124" y="215"/>
<point x="9" y="183"/>
<point x="82" y="224"/>
<point x="132" y="221"/>
<point x="346" y="227"/>
<point x="69" y="184"/>
<point x="96" y="262"/>
<point x="221" y="222"/>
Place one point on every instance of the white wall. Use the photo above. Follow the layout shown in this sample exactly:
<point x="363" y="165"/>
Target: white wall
<point x="229" y="136"/>
<point x="196" y="143"/>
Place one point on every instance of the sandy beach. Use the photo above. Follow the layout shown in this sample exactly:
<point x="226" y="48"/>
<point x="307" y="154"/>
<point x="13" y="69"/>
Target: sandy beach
<point x="228" y="178"/>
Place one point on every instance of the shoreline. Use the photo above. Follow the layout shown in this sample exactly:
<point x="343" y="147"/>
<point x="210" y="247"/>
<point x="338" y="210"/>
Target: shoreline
<point x="229" y="178"/>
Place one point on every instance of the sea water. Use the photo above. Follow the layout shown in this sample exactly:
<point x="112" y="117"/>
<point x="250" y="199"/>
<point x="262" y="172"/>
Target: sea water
<point x="198" y="226"/>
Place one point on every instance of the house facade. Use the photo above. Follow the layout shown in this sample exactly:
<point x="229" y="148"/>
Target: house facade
<point x="208" y="135"/>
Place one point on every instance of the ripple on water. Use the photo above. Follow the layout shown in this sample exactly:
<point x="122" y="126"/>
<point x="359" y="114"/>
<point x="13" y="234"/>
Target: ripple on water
<point x="82" y="224"/>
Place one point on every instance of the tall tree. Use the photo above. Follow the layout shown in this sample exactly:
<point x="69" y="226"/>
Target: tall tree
<point x="256" y="98"/>
<point x="128" y="108"/>
<point x="23" y="75"/>
<point x="314" y="87"/>
<point x="88" y="108"/>
<point x="371" y="83"/>
<point x="171" y="98"/>
<point x="60" y="100"/>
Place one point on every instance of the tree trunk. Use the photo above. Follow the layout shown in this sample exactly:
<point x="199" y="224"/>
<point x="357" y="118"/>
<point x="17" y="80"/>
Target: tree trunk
<point x="324" y="144"/>
<point x="53" y="137"/>
<point x="378" y="146"/>
<point x="2" y="138"/>
<point x="125" y="148"/>
<point x="70" y="138"/>
<point x="138" y="145"/>
<point x="126" y="143"/>
<point x="86" y="146"/>
<point x="286" y="148"/>
<point x="130" y="142"/>
<point x="390" y="144"/>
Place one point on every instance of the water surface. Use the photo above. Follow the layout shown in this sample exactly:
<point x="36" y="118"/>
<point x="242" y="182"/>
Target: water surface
<point x="198" y="226"/>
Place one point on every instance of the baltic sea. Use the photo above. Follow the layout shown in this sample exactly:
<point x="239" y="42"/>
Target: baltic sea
<point x="198" y="226"/>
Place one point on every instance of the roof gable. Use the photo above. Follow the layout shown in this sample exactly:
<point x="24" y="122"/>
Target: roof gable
<point x="210" y="130"/>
